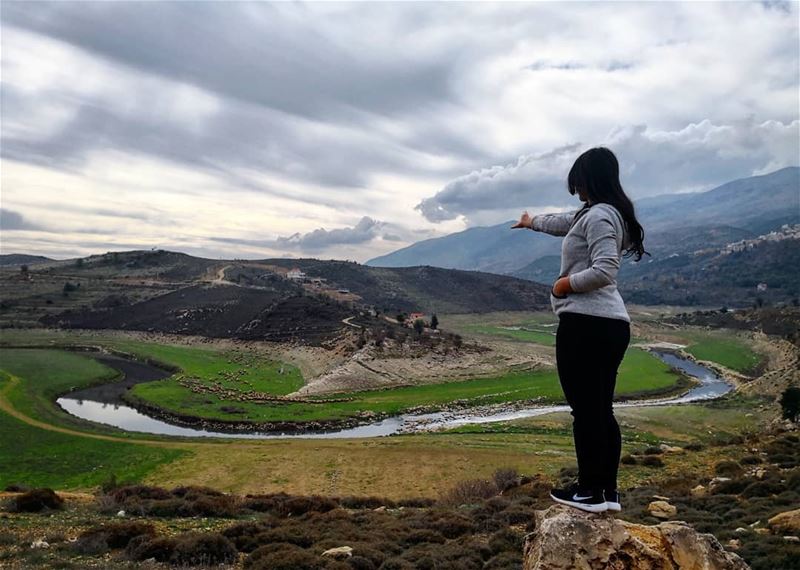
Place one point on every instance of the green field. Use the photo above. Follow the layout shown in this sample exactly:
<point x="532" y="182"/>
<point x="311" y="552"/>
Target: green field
<point x="640" y="374"/>
<point x="37" y="456"/>
<point x="724" y="349"/>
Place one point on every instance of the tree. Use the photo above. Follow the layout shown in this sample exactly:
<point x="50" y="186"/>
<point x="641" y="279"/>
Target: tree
<point x="434" y="321"/>
<point x="419" y="326"/>
<point x="790" y="403"/>
<point x="69" y="287"/>
<point x="79" y="262"/>
<point x="401" y="317"/>
<point x="23" y="269"/>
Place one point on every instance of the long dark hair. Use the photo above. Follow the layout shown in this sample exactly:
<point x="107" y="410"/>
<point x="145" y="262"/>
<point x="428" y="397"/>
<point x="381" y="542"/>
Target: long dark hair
<point x="596" y="171"/>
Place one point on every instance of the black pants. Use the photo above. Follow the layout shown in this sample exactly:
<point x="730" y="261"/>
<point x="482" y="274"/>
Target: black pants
<point x="589" y="350"/>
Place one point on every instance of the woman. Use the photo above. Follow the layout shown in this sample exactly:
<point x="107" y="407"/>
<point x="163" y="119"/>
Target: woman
<point x="594" y="327"/>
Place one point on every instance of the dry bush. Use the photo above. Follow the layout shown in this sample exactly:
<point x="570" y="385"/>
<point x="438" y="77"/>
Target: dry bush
<point x="210" y="548"/>
<point x="468" y="492"/>
<point x="37" y="500"/>
<point x="115" y="535"/>
<point x="506" y="478"/>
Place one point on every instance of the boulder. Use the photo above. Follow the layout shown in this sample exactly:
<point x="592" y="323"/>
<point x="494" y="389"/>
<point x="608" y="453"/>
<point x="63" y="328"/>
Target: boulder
<point x="662" y="509"/>
<point x="787" y="522"/>
<point x="699" y="491"/>
<point x="570" y="539"/>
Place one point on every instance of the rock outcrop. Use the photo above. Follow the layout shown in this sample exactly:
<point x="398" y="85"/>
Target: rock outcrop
<point x="570" y="539"/>
<point x="787" y="522"/>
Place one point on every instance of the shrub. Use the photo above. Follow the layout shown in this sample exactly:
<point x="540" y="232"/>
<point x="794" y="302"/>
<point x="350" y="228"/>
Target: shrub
<point x="37" y="500"/>
<point x="423" y="536"/>
<point x="286" y="534"/>
<point x="506" y="540"/>
<point x="365" y="502"/>
<point x="693" y="446"/>
<point x="728" y="469"/>
<point x="469" y="491"/>
<point x="115" y="535"/>
<point x="16" y="489"/>
<point x="628" y="460"/>
<point x="282" y="557"/>
<point x="192" y="492"/>
<point x="142" y="492"/>
<point x="652" y="461"/>
<point x="750" y="460"/>
<point x="210" y="548"/>
<point x="653" y="450"/>
<point x="505" y="478"/>
<point x="144" y="547"/>
<point x="221" y="506"/>
<point x="790" y="403"/>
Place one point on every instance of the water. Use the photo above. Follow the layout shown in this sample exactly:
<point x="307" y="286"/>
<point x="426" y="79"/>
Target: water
<point x="125" y="417"/>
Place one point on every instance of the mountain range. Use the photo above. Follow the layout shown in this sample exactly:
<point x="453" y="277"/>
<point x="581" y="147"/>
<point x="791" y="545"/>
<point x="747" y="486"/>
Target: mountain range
<point x="684" y="234"/>
<point x="743" y="208"/>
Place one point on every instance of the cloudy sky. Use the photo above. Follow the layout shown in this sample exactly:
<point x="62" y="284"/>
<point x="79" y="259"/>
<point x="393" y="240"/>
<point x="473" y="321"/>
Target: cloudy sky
<point x="350" y="130"/>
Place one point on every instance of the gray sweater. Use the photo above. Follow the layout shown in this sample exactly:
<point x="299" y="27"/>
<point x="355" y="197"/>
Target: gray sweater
<point x="590" y="254"/>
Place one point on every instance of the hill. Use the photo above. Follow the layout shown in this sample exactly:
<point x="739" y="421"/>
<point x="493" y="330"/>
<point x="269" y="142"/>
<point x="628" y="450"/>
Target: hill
<point x="163" y="291"/>
<point x="426" y="289"/>
<point x="16" y="259"/>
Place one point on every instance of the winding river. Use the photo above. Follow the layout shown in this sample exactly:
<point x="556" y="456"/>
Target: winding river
<point x="103" y="404"/>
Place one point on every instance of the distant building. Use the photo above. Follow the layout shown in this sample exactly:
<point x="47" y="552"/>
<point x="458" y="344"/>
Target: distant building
<point x="414" y="316"/>
<point x="761" y="286"/>
<point x="295" y="274"/>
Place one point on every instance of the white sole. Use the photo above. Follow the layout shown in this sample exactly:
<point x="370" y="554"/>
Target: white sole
<point x="598" y="508"/>
<point x="612" y="506"/>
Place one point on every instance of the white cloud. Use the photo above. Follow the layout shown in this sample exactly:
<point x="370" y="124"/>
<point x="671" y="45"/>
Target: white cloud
<point x="255" y="121"/>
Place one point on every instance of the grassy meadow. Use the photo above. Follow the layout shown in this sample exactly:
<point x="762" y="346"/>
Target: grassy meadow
<point x="45" y="446"/>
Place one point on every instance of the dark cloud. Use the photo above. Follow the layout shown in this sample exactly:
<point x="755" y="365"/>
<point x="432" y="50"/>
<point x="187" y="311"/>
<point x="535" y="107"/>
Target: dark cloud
<point x="11" y="220"/>
<point x="261" y="53"/>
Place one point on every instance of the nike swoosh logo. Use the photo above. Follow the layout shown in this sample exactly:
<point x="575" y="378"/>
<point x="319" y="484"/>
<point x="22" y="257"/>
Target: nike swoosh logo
<point x="575" y="497"/>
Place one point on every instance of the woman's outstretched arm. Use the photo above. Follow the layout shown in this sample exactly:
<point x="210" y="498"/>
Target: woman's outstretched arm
<point x="553" y="224"/>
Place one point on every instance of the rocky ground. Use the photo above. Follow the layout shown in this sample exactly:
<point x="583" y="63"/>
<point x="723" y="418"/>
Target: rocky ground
<point x="742" y="514"/>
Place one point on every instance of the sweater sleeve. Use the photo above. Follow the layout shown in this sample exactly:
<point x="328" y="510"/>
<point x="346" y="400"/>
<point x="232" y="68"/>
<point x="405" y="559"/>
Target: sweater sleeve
<point x="553" y="224"/>
<point x="601" y="239"/>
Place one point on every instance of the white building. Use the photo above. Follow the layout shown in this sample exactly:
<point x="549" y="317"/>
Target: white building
<point x="295" y="274"/>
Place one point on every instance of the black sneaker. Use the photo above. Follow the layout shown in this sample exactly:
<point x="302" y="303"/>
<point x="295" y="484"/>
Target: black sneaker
<point x="574" y="496"/>
<point x="612" y="500"/>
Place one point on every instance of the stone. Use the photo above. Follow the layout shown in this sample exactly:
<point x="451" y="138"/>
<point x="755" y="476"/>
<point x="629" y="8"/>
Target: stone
<point x="787" y="521"/>
<point x="40" y="544"/>
<point x="662" y="509"/>
<point x="714" y="483"/>
<point x="699" y="491"/>
<point x="570" y="539"/>
<point x="734" y="544"/>
<point x="338" y="552"/>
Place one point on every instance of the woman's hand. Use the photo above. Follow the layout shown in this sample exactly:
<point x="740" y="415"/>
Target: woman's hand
<point x="525" y="221"/>
<point x="561" y="288"/>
